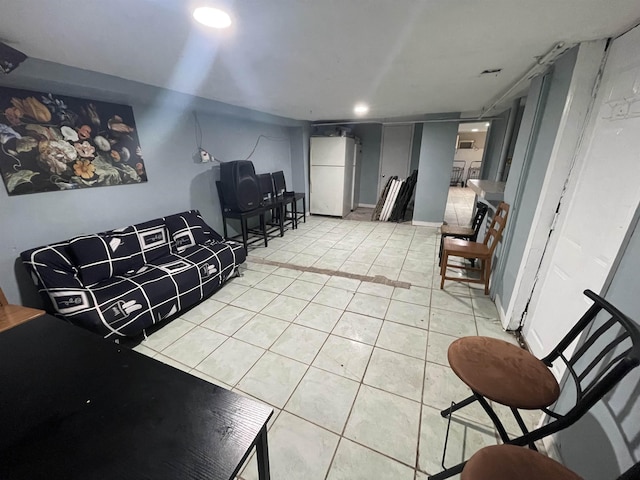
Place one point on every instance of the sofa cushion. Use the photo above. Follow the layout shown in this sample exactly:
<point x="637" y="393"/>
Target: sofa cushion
<point x="188" y="229"/>
<point x="153" y="238"/>
<point x="106" y="255"/>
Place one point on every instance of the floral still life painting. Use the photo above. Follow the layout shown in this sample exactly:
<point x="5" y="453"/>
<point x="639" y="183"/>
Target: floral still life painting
<point x="52" y="142"/>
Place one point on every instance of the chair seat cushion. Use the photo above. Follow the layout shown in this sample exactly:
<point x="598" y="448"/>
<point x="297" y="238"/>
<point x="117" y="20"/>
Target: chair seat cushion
<point x="465" y="248"/>
<point x="503" y="372"/>
<point x="506" y="462"/>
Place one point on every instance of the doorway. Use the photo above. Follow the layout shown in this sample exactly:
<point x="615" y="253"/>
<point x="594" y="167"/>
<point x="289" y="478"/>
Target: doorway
<point x="467" y="164"/>
<point x="395" y="153"/>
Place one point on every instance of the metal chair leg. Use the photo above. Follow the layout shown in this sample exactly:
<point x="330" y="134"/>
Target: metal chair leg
<point x="449" y="472"/>
<point x="457" y="406"/>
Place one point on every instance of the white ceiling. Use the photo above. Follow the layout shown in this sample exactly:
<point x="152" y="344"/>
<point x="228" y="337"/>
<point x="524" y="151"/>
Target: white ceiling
<point x="314" y="60"/>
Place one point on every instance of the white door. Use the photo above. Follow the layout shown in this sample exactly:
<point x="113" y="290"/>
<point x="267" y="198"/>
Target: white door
<point x="395" y="156"/>
<point x="599" y="204"/>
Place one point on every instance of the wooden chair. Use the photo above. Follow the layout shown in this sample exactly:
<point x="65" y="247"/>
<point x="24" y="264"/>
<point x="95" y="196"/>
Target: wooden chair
<point x="454" y="247"/>
<point x="508" y="375"/>
<point x="12" y="315"/>
<point x="465" y="233"/>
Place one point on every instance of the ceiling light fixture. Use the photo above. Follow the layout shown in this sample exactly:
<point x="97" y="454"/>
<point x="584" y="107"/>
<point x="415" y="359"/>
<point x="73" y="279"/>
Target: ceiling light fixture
<point x="212" y="17"/>
<point x="361" y="109"/>
<point x="487" y="124"/>
<point x="474" y="130"/>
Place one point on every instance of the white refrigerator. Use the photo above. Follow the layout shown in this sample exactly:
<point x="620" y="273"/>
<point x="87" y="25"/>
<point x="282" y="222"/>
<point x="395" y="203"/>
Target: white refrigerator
<point x="331" y="182"/>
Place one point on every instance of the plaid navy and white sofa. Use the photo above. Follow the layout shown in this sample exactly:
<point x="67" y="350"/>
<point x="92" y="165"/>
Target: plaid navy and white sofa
<point x="120" y="282"/>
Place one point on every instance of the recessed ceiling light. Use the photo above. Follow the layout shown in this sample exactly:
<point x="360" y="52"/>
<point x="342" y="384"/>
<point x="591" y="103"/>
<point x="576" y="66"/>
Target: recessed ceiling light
<point x="487" y="124"/>
<point x="212" y="17"/>
<point x="474" y="129"/>
<point x="361" y="109"/>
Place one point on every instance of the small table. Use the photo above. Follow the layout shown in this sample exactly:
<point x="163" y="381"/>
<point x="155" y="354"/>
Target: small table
<point x="12" y="315"/>
<point x="75" y="406"/>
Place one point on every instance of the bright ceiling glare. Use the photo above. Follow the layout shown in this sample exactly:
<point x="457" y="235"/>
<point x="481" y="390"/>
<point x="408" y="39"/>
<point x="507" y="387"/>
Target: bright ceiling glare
<point x="212" y="17"/>
<point x="361" y="109"/>
<point x="487" y="124"/>
<point x="474" y="129"/>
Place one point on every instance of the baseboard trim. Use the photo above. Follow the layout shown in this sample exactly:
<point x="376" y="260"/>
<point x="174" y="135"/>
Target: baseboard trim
<point x="418" y="223"/>
<point x="366" y="205"/>
<point x="501" y="313"/>
<point x="551" y="445"/>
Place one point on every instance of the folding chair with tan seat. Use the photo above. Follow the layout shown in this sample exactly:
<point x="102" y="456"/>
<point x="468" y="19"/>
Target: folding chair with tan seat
<point x="454" y="247"/>
<point x="499" y="372"/>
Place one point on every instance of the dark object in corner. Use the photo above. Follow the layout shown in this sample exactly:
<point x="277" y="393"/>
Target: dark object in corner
<point x="10" y="58"/>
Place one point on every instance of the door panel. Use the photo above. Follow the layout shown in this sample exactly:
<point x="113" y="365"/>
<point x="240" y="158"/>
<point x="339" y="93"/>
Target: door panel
<point x="395" y="159"/>
<point x="601" y="202"/>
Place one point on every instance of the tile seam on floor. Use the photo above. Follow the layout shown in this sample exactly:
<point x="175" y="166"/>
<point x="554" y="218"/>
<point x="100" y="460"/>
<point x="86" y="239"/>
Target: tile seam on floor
<point x="335" y="273"/>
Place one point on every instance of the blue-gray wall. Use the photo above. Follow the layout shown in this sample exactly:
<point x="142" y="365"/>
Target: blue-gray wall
<point x="300" y="160"/>
<point x="415" y="148"/>
<point x="371" y="136"/>
<point x="437" y="150"/>
<point x="493" y="146"/>
<point x="166" y="130"/>
<point x="529" y="165"/>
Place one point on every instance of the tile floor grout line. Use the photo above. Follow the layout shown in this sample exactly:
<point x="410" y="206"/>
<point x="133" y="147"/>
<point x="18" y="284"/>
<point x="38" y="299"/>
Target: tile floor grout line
<point x="388" y="232"/>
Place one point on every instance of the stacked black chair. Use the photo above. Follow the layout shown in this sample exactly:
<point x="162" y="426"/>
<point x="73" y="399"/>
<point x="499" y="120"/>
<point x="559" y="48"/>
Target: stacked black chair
<point x="281" y="190"/>
<point x="465" y="233"/>
<point x="273" y="203"/>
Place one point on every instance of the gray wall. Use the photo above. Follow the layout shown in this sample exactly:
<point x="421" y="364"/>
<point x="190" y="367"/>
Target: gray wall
<point x="300" y="160"/>
<point x="166" y="130"/>
<point x="493" y="146"/>
<point x="606" y="442"/>
<point x="371" y="136"/>
<point x="415" y="148"/>
<point x="437" y="150"/>
<point x="529" y="166"/>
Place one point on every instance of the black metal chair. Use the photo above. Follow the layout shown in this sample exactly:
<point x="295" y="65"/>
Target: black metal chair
<point x="503" y="373"/>
<point x="457" y="172"/>
<point x="465" y="233"/>
<point x="281" y="189"/>
<point x="473" y="172"/>
<point x="272" y="203"/>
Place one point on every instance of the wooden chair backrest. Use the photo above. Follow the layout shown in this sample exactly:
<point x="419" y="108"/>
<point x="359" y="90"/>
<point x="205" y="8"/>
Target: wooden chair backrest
<point x="494" y="233"/>
<point x="3" y="299"/>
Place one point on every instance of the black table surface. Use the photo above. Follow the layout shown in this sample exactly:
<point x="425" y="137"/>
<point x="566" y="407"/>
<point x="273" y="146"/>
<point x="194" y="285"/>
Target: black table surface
<point x="73" y="405"/>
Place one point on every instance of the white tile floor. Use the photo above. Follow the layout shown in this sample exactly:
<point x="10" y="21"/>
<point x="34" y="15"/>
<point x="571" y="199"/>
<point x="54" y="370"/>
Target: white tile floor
<point x="459" y="208"/>
<point x="356" y="372"/>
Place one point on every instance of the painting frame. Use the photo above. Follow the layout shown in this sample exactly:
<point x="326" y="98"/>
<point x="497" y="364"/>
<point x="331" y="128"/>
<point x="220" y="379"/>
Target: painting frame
<point x="51" y="142"/>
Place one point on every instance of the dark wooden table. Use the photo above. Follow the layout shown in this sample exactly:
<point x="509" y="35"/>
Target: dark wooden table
<point x="75" y="406"/>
